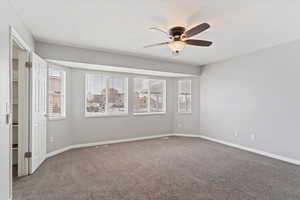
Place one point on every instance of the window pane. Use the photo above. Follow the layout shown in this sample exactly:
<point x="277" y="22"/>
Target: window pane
<point x="55" y="102"/>
<point x="149" y="95"/>
<point x="95" y="93"/>
<point x="185" y="103"/>
<point x="56" y="106"/>
<point x="141" y="95"/>
<point x="117" y="99"/>
<point x="184" y="96"/>
<point x="184" y="87"/>
<point x="156" y="96"/>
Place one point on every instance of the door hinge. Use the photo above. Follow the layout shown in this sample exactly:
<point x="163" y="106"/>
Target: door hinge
<point x="7" y="118"/>
<point x="28" y="154"/>
<point x="28" y="64"/>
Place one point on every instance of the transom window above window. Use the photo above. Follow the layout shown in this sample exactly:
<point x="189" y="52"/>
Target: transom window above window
<point x="106" y="94"/>
<point x="56" y="93"/>
<point x="150" y="96"/>
<point x="184" y="96"/>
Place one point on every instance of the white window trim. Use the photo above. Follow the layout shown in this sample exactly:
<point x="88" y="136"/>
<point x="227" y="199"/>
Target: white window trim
<point x="89" y="115"/>
<point x="150" y="113"/>
<point x="148" y="104"/>
<point x="56" y="118"/>
<point x="178" y="93"/>
<point x="106" y="114"/>
<point x="185" y="113"/>
<point x="63" y="115"/>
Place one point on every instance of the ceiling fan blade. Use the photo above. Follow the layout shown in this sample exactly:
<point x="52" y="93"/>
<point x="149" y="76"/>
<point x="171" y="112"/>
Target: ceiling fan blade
<point x="195" y="30"/>
<point x="160" y="30"/>
<point x="202" y="43"/>
<point x="158" y="44"/>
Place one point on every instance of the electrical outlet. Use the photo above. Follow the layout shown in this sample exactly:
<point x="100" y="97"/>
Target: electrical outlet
<point x="236" y="134"/>
<point x="179" y="125"/>
<point x="253" y="137"/>
<point x="51" y="139"/>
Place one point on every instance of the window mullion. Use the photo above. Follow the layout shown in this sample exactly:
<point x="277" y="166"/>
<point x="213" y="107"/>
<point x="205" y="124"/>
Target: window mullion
<point x="63" y="95"/>
<point x="165" y="96"/>
<point x="190" y="109"/>
<point x="148" y="105"/>
<point x="106" y="94"/>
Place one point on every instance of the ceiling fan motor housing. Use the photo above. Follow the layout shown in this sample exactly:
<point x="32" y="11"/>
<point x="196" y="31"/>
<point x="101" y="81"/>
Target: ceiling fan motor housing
<point x="176" y="32"/>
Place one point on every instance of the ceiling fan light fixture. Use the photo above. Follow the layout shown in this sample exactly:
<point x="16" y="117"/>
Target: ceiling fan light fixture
<point x="177" y="46"/>
<point x="178" y="33"/>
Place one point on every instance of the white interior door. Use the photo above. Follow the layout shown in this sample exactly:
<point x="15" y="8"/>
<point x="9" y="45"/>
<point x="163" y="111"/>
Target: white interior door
<point x="23" y="111"/>
<point x="38" y="112"/>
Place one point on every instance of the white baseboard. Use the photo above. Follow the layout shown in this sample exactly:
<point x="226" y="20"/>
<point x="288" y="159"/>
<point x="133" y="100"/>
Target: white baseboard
<point x="76" y="146"/>
<point x="119" y="141"/>
<point x="53" y="153"/>
<point x="263" y="153"/>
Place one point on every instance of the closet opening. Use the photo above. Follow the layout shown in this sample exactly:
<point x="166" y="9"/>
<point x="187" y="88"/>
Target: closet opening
<point x="19" y="109"/>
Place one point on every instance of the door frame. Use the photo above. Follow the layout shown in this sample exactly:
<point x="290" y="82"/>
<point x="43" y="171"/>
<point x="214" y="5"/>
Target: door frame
<point x="14" y="37"/>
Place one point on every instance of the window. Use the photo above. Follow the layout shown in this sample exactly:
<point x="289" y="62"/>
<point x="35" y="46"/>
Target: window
<point x="150" y="96"/>
<point x="106" y="95"/>
<point x="57" y="84"/>
<point x="184" y="96"/>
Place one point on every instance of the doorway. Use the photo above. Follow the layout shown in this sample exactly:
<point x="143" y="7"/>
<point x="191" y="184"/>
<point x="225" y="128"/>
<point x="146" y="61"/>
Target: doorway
<point x="27" y="110"/>
<point x="19" y="109"/>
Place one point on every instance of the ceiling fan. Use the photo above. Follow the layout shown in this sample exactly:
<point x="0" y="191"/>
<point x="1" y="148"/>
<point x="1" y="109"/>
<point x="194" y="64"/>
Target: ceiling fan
<point x="178" y="35"/>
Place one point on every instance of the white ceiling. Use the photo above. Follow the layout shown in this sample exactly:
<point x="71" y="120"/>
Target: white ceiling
<point x="237" y="26"/>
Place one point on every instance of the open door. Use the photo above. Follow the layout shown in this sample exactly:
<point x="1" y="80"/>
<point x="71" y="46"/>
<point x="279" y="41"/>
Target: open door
<point x="20" y="110"/>
<point x="38" y="131"/>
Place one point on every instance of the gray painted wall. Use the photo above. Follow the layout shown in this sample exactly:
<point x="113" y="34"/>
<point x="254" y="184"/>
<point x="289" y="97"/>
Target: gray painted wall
<point x="59" y="52"/>
<point x="255" y="94"/>
<point x="77" y="128"/>
<point x="188" y="123"/>
<point x="8" y="17"/>
<point x="60" y="130"/>
<point x="85" y="130"/>
<point x="114" y="128"/>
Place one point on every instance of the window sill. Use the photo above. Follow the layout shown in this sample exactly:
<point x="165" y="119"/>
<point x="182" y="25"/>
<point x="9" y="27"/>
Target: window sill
<point x="56" y="118"/>
<point x="106" y="115"/>
<point x="185" y="113"/>
<point x="150" y="113"/>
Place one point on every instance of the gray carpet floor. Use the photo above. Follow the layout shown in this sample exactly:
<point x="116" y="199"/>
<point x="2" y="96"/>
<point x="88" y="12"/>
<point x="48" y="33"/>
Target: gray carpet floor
<point x="175" y="169"/>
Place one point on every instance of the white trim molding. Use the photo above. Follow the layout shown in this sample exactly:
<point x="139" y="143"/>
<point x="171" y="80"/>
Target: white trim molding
<point x="263" y="153"/>
<point x="58" y="151"/>
<point x="76" y="146"/>
<point x="18" y="39"/>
